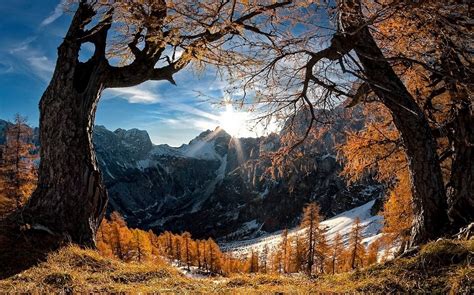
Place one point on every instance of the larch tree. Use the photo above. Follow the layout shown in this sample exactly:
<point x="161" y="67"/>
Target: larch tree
<point x="356" y="248"/>
<point x="331" y="55"/>
<point x="140" y="248"/>
<point x="153" y="40"/>
<point x="264" y="259"/>
<point x="253" y="262"/>
<point x="322" y="250"/>
<point x="119" y="235"/>
<point x="277" y="261"/>
<point x="427" y="45"/>
<point x="299" y="256"/>
<point x="104" y="239"/>
<point x="337" y="247"/>
<point x="372" y="253"/>
<point x="310" y="223"/>
<point x="284" y="248"/>
<point x="17" y="168"/>
<point x="198" y="254"/>
<point x="377" y="149"/>
<point x="186" y="236"/>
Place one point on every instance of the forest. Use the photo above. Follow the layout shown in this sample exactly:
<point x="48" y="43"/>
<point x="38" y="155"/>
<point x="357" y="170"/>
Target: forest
<point x="405" y="67"/>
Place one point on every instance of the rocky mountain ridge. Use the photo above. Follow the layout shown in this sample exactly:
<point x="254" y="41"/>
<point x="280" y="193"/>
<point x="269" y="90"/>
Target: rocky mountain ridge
<point x="219" y="186"/>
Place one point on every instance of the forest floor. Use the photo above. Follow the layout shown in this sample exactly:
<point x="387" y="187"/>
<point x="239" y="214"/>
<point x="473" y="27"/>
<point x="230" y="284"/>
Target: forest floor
<point x="445" y="266"/>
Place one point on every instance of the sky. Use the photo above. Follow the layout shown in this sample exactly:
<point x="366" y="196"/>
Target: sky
<point x="31" y="32"/>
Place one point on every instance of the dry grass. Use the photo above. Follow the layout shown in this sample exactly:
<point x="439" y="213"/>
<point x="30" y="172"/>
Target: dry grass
<point x="440" y="267"/>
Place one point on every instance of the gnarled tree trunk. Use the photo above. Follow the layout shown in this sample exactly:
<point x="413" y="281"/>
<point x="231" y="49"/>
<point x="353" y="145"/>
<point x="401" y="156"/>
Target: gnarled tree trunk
<point x="461" y="185"/>
<point x="70" y="199"/>
<point x="429" y="197"/>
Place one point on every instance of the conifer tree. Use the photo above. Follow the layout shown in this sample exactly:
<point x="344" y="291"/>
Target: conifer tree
<point x="104" y="239"/>
<point x="263" y="267"/>
<point x="337" y="247"/>
<point x="140" y="247"/>
<point x="322" y="249"/>
<point x="186" y="237"/>
<point x="17" y="169"/>
<point x="253" y="262"/>
<point x="120" y="235"/>
<point x="155" y="243"/>
<point x="372" y="253"/>
<point x="310" y="223"/>
<point x="357" y="250"/>
<point x="299" y="254"/>
<point x="284" y="247"/>
<point x="277" y="261"/>
<point x="198" y="254"/>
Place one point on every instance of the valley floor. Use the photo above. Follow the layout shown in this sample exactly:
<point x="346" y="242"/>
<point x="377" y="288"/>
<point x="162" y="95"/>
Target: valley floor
<point x="443" y="267"/>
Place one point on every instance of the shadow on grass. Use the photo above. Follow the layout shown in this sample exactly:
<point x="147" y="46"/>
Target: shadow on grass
<point x="20" y="248"/>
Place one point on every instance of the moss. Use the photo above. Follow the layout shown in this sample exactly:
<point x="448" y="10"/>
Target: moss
<point x="444" y="252"/>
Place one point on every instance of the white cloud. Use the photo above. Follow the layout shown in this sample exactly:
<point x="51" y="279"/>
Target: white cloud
<point x="144" y="93"/>
<point x="57" y="13"/>
<point x="42" y="66"/>
<point x="23" y="58"/>
<point x="23" y="45"/>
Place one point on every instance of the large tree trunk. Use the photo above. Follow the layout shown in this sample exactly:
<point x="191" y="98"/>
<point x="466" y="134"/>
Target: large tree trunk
<point x="461" y="186"/>
<point x="429" y="197"/>
<point x="70" y="199"/>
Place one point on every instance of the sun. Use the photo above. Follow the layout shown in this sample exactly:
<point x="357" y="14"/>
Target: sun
<point x="233" y="122"/>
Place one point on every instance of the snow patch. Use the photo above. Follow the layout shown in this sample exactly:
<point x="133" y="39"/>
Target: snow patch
<point x="341" y="224"/>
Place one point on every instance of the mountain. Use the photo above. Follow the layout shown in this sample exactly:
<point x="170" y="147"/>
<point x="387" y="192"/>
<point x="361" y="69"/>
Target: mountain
<point x="224" y="187"/>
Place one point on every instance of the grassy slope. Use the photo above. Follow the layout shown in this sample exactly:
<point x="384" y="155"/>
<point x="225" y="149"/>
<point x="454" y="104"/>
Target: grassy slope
<point x="440" y="267"/>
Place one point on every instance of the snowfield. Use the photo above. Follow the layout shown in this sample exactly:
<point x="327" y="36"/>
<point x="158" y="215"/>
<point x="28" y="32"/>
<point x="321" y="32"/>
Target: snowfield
<point x="341" y="224"/>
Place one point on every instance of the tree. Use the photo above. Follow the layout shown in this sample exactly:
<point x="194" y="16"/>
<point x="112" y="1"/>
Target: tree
<point x="119" y="236"/>
<point x="356" y="248"/>
<point x="154" y="40"/>
<point x="277" y="261"/>
<point x="186" y="236"/>
<point x="441" y="89"/>
<point x="198" y="254"/>
<point x="377" y="150"/>
<point x="310" y="223"/>
<point x="322" y="249"/>
<point x="285" y="251"/>
<point x="372" y="253"/>
<point x="337" y="249"/>
<point x="17" y="169"/>
<point x="253" y="262"/>
<point x="264" y="259"/>
<point x="140" y="247"/>
<point x="301" y="75"/>
<point x="104" y="239"/>
<point x="299" y="254"/>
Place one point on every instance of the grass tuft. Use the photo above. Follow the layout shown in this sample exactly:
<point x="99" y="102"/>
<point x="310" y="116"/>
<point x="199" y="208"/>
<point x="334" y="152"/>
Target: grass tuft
<point x="444" y="266"/>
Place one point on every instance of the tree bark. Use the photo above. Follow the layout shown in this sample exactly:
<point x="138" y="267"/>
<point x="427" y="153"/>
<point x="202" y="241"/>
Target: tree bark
<point x="461" y="185"/>
<point x="70" y="198"/>
<point x="429" y="197"/>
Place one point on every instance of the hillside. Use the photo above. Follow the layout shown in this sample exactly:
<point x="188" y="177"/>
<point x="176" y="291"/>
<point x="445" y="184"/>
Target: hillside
<point x="444" y="267"/>
<point x="341" y="224"/>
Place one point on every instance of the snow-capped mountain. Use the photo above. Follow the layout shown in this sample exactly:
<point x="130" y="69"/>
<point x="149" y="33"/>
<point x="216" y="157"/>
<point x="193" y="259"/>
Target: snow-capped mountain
<point x="224" y="187"/>
<point x="220" y="186"/>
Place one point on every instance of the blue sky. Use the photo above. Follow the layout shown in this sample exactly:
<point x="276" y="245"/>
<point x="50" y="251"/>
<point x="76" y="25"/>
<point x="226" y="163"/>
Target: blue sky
<point x="31" y="32"/>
